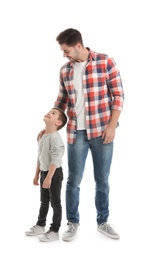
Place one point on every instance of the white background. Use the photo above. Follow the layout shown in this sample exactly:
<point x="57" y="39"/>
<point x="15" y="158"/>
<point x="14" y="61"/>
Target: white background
<point x="30" y="59"/>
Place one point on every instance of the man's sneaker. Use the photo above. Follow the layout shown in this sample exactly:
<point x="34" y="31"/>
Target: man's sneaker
<point x="70" y="232"/>
<point x="107" y="230"/>
<point x="49" y="236"/>
<point x="35" y="230"/>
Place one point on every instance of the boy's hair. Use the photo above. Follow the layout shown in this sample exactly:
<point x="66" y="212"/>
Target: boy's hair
<point x="70" y="37"/>
<point x="62" y="117"/>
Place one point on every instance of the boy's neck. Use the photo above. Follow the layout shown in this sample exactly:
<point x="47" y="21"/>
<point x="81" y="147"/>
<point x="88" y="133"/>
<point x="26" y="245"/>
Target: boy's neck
<point x="50" y="129"/>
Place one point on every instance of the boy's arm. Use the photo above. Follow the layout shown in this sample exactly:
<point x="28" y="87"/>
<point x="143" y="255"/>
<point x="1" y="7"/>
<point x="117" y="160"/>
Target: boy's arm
<point x="36" y="177"/>
<point x="48" y="179"/>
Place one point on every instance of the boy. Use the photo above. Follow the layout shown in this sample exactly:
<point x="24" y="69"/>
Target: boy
<point x="49" y="170"/>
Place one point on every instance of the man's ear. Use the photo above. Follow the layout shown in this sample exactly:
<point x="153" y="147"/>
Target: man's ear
<point x="78" y="46"/>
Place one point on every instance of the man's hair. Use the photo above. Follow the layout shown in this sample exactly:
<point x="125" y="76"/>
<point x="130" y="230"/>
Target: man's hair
<point x="62" y="117"/>
<point x="70" y="37"/>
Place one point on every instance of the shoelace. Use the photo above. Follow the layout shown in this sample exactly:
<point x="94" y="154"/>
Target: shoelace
<point x="107" y="225"/>
<point x="48" y="232"/>
<point x="71" y="227"/>
<point x="33" y="227"/>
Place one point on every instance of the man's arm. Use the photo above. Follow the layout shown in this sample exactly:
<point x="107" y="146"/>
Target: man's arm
<point x="109" y="133"/>
<point x="115" y="87"/>
<point x="40" y="134"/>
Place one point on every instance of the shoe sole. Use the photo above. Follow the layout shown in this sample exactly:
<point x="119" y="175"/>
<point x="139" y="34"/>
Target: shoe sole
<point x="34" y="234"/>
<point x="108" y="235"/>
<point x="43" y="240"/>
<point x="68" y="239"/>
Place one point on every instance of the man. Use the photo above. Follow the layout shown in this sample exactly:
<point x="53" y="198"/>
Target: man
<point x="91" y="90"/>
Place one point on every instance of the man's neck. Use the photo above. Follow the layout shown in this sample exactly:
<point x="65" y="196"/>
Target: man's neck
<point x="84" y="56"/>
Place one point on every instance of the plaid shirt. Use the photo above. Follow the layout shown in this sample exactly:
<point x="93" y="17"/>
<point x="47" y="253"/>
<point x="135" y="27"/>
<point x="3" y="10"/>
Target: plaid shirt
<point x="103" y="91"/>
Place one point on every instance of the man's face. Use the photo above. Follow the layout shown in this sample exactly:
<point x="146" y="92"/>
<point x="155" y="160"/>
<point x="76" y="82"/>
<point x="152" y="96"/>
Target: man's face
<point x="72" y="53"/>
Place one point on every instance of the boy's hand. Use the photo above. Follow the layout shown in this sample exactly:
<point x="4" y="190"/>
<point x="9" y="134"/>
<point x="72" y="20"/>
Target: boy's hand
<point x="46" y="183"/>
<point x="35" y="181"/>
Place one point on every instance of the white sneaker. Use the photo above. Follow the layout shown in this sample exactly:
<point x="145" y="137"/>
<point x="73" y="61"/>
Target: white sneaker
<point x="71" y="231"/>
<point x="35" y="230"/>
<point x="49" y="236"/>
<point x="107" y="230"/>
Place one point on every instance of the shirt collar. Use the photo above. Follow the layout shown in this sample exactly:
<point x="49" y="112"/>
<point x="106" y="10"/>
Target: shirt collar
<point x="92" y="56"/>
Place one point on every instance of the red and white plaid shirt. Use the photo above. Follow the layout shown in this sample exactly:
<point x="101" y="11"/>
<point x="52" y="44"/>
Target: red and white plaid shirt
<point x="103" y="92"/>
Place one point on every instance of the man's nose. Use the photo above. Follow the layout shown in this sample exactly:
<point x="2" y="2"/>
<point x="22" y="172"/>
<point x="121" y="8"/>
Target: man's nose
<point x="65" y="54"/>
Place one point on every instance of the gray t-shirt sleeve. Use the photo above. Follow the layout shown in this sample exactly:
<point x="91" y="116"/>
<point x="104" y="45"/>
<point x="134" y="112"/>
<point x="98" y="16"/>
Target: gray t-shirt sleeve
<point x="57" y="149"/>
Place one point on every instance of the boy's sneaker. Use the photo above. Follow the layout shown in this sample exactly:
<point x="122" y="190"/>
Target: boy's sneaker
<point x="70" y="233"/>
<point x="35" y="230"/>
<point x="49" y="236"/>
<point x="107" y="230"/>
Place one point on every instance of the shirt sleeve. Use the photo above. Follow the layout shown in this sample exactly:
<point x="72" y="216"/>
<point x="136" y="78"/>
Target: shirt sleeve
<point x="62" y="98"/>
<point x="57" y="150"/>
<point x="114" y="84"/>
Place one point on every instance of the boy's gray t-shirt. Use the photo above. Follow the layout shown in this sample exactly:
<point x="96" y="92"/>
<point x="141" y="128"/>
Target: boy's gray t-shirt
<point x="50" y="150"/>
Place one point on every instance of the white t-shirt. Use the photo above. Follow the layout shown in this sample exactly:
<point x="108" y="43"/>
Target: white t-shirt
<point x="79" y="68"/>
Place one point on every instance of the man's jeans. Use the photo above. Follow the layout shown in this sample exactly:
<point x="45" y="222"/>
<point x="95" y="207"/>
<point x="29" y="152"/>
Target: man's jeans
<point x="102" y="157"/>
<point x="51" y="196"/>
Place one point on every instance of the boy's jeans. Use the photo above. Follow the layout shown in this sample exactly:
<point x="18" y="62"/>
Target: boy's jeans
<point x="102" y="157"/>
<point x="51" y="196"/>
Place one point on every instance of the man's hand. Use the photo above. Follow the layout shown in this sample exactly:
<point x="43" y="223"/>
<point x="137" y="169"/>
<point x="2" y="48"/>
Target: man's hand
<point x="40" y="134"/>
<point x="109" y="134"/>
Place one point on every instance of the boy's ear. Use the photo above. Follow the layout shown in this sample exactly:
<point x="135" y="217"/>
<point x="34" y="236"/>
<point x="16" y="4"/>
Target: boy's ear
<point x="58" y="122"/>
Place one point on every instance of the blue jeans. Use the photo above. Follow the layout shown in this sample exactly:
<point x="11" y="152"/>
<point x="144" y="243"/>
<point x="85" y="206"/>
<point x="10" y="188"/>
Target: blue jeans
<point x="102" y="158"/>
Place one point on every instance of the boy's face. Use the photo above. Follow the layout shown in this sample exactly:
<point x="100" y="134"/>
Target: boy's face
<point x="52" y="117"/>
